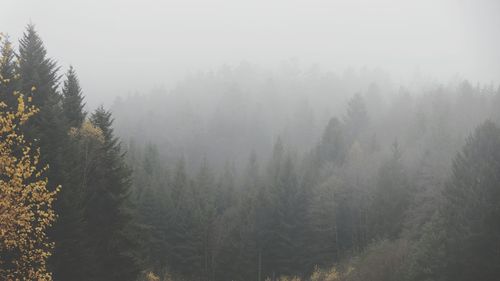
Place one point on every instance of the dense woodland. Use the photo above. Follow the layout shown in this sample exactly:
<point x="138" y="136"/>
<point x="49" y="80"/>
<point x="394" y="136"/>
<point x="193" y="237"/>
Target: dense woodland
<point x="250" y="174"/>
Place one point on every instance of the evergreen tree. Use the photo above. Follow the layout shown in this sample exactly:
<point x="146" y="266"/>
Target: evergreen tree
<point x="8" y="79"/>
<point x="72" y="100"/>
<point x="391" y="198"/>
<point x="183" y="228"/>
<point x="284" y="236"/>
<point x="39" y="81"/>
<point x="471" y="211"/>
<point x="107" y="212"/>
<point x="332" y="148"/>
<point x="356" y="119"/>
<point x="72" y="259"/>
<point x="38" y="73"/>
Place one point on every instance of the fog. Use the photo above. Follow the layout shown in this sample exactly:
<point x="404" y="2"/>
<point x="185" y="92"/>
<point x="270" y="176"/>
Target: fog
<point x="233" y="140"/>
<point x="122" y="47"/>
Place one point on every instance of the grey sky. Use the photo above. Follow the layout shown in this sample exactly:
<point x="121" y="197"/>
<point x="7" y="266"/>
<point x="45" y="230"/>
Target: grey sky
<point x="120" y="46"/>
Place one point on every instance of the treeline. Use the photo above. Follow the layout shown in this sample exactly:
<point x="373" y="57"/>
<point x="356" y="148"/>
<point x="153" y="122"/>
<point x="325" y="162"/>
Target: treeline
<point x="92" y="232"/>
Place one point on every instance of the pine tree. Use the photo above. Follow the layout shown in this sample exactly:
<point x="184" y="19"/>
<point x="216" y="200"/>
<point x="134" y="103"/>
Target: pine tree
<point x="39" y="81"/>
<point x="284" y="236"/>
<point x="72" y="100"/>
<point x="72" y="257"/>
<point x="332" y="148"/>
<point x="181" y="237"/>
<point x="38" y="73"/>
<point x="471" y="211"/>
<point x="107" y="212"/>
<point x="391" y="197"/>
<point x="8" y="79"/>
<point x="356" y="119"/>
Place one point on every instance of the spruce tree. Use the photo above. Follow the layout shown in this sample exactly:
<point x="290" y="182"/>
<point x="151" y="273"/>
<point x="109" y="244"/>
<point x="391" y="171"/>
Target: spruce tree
<point x="107" y="212"/>
<point x="356" y="119"/>
<point x="39" y="81"/>
<point x="284" y="242"/>
<point x="391" y="197"/>
<point x="8" y="79"/>
<point x="471" y="212"/>
<point x="72" y="100"/>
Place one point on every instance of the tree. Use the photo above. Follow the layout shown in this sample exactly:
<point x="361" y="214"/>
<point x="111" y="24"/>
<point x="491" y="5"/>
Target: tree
<point x="107" y="211"/>
<point x="391" y="198"/>
<point x="72" y="259"/>
<point x="356" y="119"/>
<point x="25" y="202"/>
<point x="72" y="100"/>
<point x="8" y="77"/>
<point x="283" y="244"/>
<point x="471" y="211"/>
<point x="38" y="80"/>
<point x="332" y="148"/>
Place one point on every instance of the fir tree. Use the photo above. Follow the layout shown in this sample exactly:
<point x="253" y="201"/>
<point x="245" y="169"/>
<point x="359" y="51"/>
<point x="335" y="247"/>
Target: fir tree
<point x="108" y="212"/>
<point x="39" y="81"/>
<point x="391" y="197"/>
<point x="72" y="100"/>
<point x="471" y="212"/>
<point x="8" y="79"/>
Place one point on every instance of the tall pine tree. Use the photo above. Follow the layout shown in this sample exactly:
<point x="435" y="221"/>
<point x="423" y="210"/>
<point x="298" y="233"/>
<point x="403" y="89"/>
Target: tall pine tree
<point x="107" y="212"/>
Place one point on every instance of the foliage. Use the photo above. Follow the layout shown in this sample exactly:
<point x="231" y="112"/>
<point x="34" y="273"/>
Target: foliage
<point x="25" y="202"/>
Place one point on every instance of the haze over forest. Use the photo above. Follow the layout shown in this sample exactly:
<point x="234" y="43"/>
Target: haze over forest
<point x="250" y="140"/>
<point x="151" y="44"/>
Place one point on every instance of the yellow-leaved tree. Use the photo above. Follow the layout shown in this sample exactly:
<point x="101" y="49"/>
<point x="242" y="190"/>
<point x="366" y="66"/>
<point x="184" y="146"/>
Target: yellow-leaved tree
<point x="25" y="202"/>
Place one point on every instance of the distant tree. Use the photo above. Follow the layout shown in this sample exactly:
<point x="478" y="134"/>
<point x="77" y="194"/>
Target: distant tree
<point x="9" y="79"/>
<point x="391" y="198"/>
<point x="332" y="147"/>
<point x="356" y="118"/>
<point x="287" y="211"/>
<point x="324" y="248"/>
<point x="183" y="236"/>
<point x="471" y="211"/>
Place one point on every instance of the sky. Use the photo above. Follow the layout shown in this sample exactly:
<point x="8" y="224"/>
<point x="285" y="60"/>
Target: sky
<point x="120" y="47"/>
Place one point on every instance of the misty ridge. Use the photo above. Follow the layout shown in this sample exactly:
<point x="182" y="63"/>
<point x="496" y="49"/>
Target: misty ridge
<point x="195" y="157"/>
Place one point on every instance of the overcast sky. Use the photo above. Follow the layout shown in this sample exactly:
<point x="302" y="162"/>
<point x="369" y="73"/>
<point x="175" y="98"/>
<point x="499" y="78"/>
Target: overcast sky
<point x="120" y="46"/>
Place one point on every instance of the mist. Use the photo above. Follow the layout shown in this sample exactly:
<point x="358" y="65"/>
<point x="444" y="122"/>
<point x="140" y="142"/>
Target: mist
<point x="138" y="45"/>
<point x="250" y="140"/>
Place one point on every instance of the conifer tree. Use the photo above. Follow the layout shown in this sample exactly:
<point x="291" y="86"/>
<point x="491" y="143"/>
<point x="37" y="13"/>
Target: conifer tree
<point x="8" y="78"/>
<point x="391" y="198"/>
<point x="284" y="244"/>
<point x="39" y="82"/>
<point x="356" y="119"/>
<point x="471" y="211"/>
<point x="107" y="212"/>
<point x="72" y="99"/>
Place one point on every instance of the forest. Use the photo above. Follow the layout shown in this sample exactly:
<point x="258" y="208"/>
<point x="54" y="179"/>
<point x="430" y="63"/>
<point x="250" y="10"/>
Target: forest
<point x="246" y="173"/>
